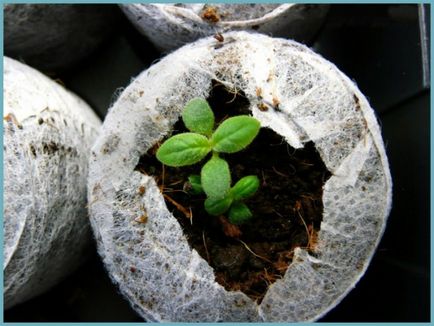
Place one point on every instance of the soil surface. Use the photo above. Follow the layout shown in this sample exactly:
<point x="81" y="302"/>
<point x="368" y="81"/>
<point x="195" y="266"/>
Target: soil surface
<point x="287" y="208"/>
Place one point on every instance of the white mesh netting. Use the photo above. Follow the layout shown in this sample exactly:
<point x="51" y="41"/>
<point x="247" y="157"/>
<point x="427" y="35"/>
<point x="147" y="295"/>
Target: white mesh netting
<point x="170" y="281"/>
<point x="48" y="132"/>
<point x="170" y="26"/>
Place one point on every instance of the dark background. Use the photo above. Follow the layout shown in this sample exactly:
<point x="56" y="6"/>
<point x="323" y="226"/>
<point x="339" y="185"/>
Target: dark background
<point x="385" y="49"/>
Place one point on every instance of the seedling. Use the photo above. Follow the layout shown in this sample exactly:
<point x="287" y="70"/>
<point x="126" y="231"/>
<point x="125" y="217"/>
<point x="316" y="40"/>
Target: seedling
<point x="233" y="201"/>
<point x="232" y="135"/>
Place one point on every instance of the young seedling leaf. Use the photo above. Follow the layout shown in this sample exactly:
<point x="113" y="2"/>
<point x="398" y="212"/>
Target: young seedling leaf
<point x="245" y="187"/>
<point x="198" y="116"/>
<point x="183" y="149"/>
<point x="235" y="133"/>
<point x="216" y="177"/>
<point x="217" y="206"/>
<point x="239" y="213"/>
<point x="195" y="184"/>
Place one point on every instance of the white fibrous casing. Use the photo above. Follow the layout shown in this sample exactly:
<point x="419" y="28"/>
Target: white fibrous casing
<point x="170" y="26"/>
<point x="53" y="37"/>
<point x="318" y="103"/>
<point x="47" y="132"/>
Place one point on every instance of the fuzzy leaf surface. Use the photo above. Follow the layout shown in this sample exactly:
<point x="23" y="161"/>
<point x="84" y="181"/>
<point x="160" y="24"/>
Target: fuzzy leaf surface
<point x="217" y="206"/>
<point x="198" y="116"/>
<point x="245" y="187"/>
<point x="239" y="213"/>
<point x="183" y="149"/>
<point x="216" y="177"/>
<point x="195" y="183"/>
<point x="235" y="133"/>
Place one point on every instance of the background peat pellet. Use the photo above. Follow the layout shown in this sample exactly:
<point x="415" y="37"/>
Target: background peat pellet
<point x="170" y="26"/>
<point x="47" y="134"/>
<point x="54" y="37"/>
<point x="310" y="103"/>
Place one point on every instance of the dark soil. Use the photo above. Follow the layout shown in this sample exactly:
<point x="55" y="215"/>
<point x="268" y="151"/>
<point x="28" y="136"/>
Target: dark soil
<point x="287" y="208"/>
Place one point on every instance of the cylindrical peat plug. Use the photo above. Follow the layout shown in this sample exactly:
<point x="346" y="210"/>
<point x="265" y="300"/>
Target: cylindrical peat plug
<point x="318" y="215"/>
<point x="47" y="132"/>
<point x="170" y="26"/>
<point x="52" y="37"/>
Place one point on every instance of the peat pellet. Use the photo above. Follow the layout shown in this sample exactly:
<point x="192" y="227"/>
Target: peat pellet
<point x="48" y="132"/>
<point x="170" y="26"/>
<point x="311" y="107"/>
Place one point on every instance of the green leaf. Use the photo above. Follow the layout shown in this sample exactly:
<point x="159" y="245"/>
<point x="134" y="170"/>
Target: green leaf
<point x="217" y="206"/>
<point x="216" y="177"/>
<point x="183" y="149"/>
<point x="196" y="186"/>
<point x="239" y="213"/>
<point x="198" y="116"/>
<point x="245" y="187"/>
<point x="235" y="133"/>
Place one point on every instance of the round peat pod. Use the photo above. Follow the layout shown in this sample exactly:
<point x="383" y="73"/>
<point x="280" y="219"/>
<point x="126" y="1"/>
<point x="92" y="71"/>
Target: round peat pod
<point x="53" y="37"/>
<point x="47" y="134"/>
<point x="170" y="26"/>
<point x="295" y="94"/>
